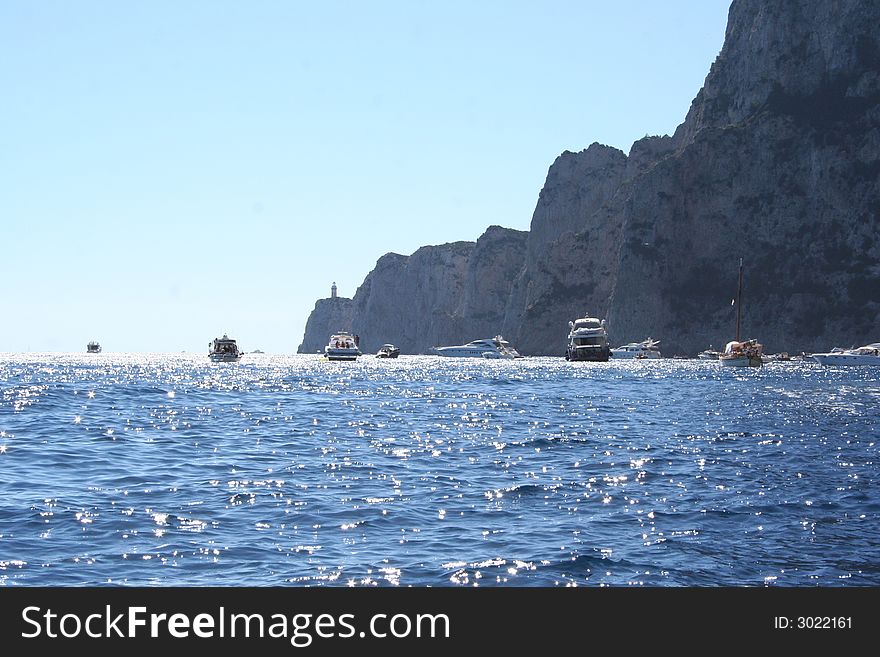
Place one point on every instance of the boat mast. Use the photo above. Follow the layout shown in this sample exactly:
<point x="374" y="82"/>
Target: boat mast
<point x="739" y="292"/>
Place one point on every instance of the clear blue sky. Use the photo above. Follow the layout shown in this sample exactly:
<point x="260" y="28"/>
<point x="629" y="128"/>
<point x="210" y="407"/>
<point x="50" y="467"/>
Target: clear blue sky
<point x="170" y="171"/>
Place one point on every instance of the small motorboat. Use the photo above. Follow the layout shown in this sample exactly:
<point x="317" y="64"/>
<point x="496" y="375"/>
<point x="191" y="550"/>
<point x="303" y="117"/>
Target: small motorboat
<point x="224" y="350"/>
<point x="388" y="351"/>
<point x="342" y="346"/>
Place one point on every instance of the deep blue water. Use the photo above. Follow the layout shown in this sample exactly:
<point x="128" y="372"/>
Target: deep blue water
<point x="135" y="469"/>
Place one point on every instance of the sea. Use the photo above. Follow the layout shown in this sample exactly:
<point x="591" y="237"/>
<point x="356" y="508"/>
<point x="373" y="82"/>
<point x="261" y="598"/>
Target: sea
<point x="124" y="469"/>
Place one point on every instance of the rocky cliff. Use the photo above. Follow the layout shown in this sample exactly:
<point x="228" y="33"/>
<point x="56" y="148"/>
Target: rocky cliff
<point x="777" y="162"/>
<point x="438" y="295"/>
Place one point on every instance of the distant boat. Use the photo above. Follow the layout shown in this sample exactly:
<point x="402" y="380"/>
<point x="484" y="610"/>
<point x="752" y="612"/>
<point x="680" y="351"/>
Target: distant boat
<point x="644" y="349"/>
<point x="742" y="354"/>
<point x="388" y="351"/>
<point x="587" y="340"/>
<point x="93" y="347"/>
<point x="342" y="346"/>
<point x="496" y="347"/>
<point x="709" y="354"/>
<point x="224" y="350"/>
<point x="867" y="355"/>
<point x="738" y="353"/>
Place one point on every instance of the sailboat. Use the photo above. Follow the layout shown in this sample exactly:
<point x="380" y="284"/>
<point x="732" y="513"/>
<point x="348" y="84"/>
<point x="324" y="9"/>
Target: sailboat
<point x="739" y="353"/>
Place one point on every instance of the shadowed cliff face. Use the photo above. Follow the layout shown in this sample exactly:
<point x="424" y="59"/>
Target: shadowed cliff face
<point x="777" y="162"/>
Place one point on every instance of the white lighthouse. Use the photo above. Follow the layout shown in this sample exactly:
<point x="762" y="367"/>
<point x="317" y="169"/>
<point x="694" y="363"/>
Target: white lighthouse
<point x="333" y="290"/>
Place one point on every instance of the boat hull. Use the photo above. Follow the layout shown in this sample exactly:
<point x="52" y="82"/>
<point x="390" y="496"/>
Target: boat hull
<point x="224" y="358"/>
<point x="461" y="352"/>
<point x="620" y="355"/>
<point x="341" y="354"/>
<point x="846" y="359"/>
<point x="590" y="355"/>
<point x="467" y="353"/>
<point x="741" y="361"/>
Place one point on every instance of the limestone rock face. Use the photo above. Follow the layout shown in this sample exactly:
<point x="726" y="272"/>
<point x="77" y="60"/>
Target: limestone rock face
<point x="777" y="163"/>
<point x="411" y="301"/>
<point x="496" y="261"/>
<point x="578" y="185"/>
<point x="437" y="296"/>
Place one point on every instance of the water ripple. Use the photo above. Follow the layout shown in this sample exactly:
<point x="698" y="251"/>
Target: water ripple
<point x="134" y="469"/>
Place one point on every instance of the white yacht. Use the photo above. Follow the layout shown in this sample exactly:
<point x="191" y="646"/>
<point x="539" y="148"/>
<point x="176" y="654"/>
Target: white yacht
<point x="867" y="355"/>
<point x="496" y="347"/>
<point x="224" y="350"/>
<point x="342" y="346"/>
<point x="587" y="340"/>
<point x="645" y="349"/>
